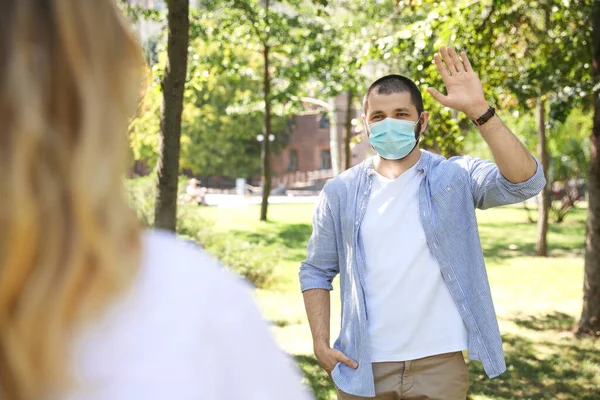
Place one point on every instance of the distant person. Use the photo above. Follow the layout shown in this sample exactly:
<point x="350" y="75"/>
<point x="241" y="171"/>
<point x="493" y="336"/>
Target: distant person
<point x="401" y="231"/>
<point x="90" y="306"/>
<point x="195" y="193"/>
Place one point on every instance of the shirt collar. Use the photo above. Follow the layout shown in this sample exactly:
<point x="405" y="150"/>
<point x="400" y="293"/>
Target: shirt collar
<point x="421" y="166"/>
<point x="424" y="161"/>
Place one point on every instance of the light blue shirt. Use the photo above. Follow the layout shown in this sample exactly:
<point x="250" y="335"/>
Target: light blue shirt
<point x="450" y="191"/>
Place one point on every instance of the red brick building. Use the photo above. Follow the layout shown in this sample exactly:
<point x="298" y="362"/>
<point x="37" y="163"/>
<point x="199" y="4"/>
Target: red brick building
<point x="308" y="155"/>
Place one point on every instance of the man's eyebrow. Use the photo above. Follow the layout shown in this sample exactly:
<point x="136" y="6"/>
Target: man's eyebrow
<point x="402" y="109"/>
<point x="373" y="113"/>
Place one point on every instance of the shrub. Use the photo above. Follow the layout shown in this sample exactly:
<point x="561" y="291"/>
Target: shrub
<point x="254" y="261"/>
<point x="142" y="197"/>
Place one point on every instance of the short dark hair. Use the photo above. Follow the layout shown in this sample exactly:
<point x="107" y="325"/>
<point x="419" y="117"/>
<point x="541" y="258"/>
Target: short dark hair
<point x="390" y="84"/>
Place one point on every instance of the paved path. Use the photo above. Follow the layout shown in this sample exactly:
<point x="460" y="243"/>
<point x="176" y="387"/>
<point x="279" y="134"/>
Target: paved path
<point x="232" y="200"/>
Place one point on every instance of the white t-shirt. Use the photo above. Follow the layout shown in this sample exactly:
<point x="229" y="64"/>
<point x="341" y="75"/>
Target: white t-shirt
<point x="411" y="312"/>
<point x="186" y="329"/>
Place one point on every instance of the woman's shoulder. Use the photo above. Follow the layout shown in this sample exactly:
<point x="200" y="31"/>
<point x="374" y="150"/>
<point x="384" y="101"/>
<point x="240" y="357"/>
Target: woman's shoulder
<point x="179" y="274"/>
<point x="177" y="285"/>
<point x="168" y="260"/>
<point x="175" y="307"/>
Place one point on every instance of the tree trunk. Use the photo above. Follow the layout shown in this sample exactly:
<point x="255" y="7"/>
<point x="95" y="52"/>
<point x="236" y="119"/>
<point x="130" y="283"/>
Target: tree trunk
<point x="266" y="150"/>
<point x="590" y="316"/>
<point x="541" y="247"/>
<point x="334" y="146"/>
<point x="173" y="84"/>
<point x="348" y="130"/>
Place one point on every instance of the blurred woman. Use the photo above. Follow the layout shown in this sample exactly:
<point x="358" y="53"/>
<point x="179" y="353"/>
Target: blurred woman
<point x="90" y="306"/>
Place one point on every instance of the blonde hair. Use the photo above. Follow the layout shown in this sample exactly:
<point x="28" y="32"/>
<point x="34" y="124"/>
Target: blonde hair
<point x="69" y="244"/>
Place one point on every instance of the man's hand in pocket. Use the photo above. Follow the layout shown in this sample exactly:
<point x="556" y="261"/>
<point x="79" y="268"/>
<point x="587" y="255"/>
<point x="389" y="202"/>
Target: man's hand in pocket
<point x="328" y="358"/>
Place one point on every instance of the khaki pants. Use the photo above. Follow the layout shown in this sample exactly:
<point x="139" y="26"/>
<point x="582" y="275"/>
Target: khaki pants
<point x="439" y="377"/>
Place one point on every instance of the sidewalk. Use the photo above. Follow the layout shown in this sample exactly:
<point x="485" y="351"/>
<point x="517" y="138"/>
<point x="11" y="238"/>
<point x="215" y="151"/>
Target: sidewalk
<point x="233" y="200"/>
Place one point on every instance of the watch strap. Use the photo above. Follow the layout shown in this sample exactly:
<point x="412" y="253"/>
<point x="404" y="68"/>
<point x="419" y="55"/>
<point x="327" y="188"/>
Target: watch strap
<point x="485" y="117"/>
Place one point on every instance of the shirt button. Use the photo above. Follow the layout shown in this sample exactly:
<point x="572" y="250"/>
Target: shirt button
<point x="366" y="192"/>
<point x="448" y="188"/>
<point x="356" y="222"/>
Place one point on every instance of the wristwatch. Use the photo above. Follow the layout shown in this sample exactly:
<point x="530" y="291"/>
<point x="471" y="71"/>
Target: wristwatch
<point x="485" y="117"/>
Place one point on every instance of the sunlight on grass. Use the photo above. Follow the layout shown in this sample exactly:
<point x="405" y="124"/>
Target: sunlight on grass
<point x="538" y="301"/>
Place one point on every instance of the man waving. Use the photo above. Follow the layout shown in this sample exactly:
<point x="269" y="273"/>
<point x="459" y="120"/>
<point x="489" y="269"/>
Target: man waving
<point x="401" y="231"/>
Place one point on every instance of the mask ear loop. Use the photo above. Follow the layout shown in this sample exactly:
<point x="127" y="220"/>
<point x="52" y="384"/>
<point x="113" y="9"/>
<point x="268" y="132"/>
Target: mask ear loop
<point x="418" y="131"/>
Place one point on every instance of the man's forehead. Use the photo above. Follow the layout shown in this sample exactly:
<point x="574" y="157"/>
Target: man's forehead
<point x="403" y="97"/>
<point x="385" y="102"/>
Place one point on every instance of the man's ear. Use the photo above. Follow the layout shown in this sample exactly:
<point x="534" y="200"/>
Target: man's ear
<point x="424" y="121"/>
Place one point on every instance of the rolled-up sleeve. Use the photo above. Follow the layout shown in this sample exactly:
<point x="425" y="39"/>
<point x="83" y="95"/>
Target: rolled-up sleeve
<point x="321" y="264"/>
<point x="491" y="189"/>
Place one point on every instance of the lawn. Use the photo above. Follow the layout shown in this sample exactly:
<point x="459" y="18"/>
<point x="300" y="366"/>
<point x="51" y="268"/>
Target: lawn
<point x="538" y="301"/>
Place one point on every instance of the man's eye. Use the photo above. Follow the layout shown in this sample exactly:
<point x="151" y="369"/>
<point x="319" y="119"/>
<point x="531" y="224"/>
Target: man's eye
<point x="377" y="117"/>
<point x="401" y="115"/>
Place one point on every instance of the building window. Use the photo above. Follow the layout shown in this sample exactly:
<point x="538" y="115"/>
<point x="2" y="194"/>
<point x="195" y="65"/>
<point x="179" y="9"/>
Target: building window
<point x="293" y="161"/>
<point x="325" y="159"/>
<point x="324" y="122"/>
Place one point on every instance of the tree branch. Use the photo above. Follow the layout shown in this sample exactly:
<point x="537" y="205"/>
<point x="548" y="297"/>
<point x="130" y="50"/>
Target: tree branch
<point x="487" y="18"/>
<point x="252" y="18"/>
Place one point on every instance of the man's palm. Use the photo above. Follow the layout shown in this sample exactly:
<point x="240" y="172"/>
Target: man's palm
<point x="464" y="89"/>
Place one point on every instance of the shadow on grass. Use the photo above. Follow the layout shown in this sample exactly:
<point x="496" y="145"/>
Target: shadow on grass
<point x="535" y="375"/>
<point x="281" y="323"/>
<point x="500" y="240"/>
<point x="565" y="369"/>
<point x="292" y="236"/>
<point x="555" y="321"/>
<point x="295" y="235"/>
<point x="317" y="379"/>
<point x="497" y="239"/>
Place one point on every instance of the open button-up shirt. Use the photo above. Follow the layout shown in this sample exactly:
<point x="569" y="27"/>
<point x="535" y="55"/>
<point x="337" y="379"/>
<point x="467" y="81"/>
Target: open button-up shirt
<point x="450" y="192"/>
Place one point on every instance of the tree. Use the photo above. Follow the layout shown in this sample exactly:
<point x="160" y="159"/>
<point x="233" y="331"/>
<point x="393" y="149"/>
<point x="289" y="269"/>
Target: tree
<point x="260" y="23"/>
<point x="348" y="130"/>
<point x="343" y="40"/>
<point x="590" y="316"/>
<point x="524" y="51"/>
<point x="173" y="85"/>
<point x="219" y="134"/>
<point x="351" y="27"/>
<point x="280" y="32"/>
<point x="531" y="51"/>
<point x="541" y="247"/>
<point x="266" y="149"/>
<point x="220" y="123"/>
<point x="569" y="147"/>
<point x="144" y="130"/>
<point x="406" y="43"/>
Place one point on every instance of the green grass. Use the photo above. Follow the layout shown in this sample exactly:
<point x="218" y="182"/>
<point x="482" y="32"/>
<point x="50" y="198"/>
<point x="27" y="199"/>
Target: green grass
<point x="537" y="300"/>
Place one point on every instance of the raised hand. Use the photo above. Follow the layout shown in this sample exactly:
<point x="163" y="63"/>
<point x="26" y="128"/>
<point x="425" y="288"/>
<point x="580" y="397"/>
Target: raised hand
<point x="463" y="87"/>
